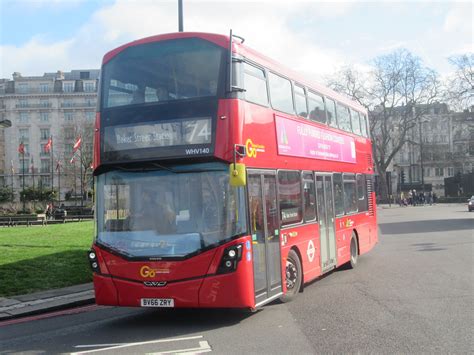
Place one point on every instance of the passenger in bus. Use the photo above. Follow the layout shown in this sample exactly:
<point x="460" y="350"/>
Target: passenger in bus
<point x="155" y="214"/>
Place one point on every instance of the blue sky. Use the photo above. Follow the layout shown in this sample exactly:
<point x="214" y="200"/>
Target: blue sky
<point x="312" y="37"/>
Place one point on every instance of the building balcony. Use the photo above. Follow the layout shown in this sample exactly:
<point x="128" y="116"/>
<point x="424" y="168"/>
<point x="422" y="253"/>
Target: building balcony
<point x="30" y="106"/>
<point x="77" y="105"/>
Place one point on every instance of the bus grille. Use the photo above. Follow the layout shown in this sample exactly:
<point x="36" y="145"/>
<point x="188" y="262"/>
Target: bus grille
<point x="369" y="195"/>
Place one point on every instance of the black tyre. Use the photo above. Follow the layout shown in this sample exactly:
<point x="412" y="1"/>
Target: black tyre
<point x="354" y="252"/>
<point x="294" y="277"/>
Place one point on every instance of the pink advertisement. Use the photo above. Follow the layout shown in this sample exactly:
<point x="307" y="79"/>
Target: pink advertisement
<point x="299" y="139"/>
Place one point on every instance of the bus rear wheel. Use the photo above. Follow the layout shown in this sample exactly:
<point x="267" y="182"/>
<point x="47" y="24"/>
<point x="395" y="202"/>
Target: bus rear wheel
<point x="354" y="252"/>
<point x="293" y="276"/>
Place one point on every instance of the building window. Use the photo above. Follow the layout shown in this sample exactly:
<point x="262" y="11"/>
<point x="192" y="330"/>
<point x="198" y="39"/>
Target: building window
<point x="69" y="116"/>
<point x="44" y="116"/>
<point x="45" y="181"/>
<point x="45" y="166"/>
<point x="300" y="102"/>
<point x="44" y="103"/>
<point x="44" y="133"/>
<point x="69" y="133"/>
<point x="255" y="85"/>
<point x="24" y="117"/>
<point x="439" y="171"/>
<point x="23" y="103"/>
<point x="89" y="86"/>
<point x="23" y="135"/>
<point x="23" y="88"/>
<point x="289" y="191"/>
<point x="67" y="103"/>
<point x="23" y="168"/>
<point x="44" y="87"/>
<point x="280" y="93"/>
<point x="450" y="171"/>
<point x="317" y="111"/>
<point x="90" y="116"/>
<point x="68" y="87"/>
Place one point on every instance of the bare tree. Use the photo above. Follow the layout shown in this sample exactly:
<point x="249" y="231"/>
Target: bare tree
<point x="394" y="92"/>
<point x="460" y="85"/>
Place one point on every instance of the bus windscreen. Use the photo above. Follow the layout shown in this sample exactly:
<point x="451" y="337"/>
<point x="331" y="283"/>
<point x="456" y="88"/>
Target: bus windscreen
<point x="160" y="213"/>
<point x="162" y="71"/>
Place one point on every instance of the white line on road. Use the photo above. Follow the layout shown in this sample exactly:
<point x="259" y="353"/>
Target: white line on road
<point x="135" y="344"/>
<point x="204" y="347"/>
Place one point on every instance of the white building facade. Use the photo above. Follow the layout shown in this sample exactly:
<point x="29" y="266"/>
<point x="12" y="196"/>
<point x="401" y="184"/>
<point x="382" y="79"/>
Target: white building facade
<point x="40" y="107"/>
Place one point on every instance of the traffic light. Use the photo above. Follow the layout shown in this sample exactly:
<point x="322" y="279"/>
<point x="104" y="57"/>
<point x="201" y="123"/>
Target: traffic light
<point x="402" y="177"/>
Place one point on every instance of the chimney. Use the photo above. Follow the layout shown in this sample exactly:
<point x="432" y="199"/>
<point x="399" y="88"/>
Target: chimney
<point x="16" y="75"/>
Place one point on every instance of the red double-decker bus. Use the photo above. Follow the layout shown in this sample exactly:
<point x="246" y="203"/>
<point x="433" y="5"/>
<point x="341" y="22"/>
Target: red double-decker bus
<point x="222" y="178"/>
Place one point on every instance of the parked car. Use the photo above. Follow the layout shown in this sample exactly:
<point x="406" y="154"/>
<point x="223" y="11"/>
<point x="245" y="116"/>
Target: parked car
<point x="470" y="204"/>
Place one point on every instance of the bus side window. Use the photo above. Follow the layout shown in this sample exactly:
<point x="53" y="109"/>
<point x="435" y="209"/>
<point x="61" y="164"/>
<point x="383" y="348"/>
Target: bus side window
<point x="363" y="125"/>
<point x="317" y="111"/>
<point x="300" y="101"/>
<point x="361" y="193"/>
<point x="289" y="195"/>
<point x="350" y="194"/>
<point x="281" y="95"/>
<point x="309" y="197"/>
<point x="355" y="122"/>
<point x="255" y="85"/>
<point x="343" y="118"/>
<point x="331" y="112"/>
<point x="338" y="195"/>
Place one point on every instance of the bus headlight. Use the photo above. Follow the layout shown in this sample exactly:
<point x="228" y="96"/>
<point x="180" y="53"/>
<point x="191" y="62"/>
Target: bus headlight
<point x="230" y="259"/>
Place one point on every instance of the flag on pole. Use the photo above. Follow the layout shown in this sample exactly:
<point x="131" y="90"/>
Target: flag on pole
<point x="73" y="158"/>
<point x="77" y="145"/>
<point x="47" y="146"/>
<point x="21" y="148"/>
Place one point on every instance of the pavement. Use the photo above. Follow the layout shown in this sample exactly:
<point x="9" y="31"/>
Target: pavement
<point x="46" y="301"/>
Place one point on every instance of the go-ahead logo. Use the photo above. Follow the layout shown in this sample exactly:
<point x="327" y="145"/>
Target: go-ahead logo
<point x="253" y="148"/>
<point x="147" y="271"/>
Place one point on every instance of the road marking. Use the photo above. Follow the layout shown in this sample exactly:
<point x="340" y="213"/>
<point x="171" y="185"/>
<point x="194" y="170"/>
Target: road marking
<point x="204" y="347"/>
<point x="51" y="314"/>
<point x="137" y="344"/>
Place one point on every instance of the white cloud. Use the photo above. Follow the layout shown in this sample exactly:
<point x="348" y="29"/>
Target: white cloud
<point x="459" y="20"/>
<point x="265" y="28"/>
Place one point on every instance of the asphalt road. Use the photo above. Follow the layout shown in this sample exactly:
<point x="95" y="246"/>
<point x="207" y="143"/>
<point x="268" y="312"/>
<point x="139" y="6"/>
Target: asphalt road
<point x="413" y="293"/>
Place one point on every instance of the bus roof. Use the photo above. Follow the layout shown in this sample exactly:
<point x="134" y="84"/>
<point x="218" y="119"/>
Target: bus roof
<point x="245" y="51"/>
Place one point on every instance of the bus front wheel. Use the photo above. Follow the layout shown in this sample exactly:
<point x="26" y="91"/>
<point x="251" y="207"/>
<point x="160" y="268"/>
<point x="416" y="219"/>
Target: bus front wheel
<point x="293" y="276"/>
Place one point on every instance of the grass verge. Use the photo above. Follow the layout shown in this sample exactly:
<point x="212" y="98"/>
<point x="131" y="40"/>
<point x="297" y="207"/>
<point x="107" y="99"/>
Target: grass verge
<point x="44" y="257"/>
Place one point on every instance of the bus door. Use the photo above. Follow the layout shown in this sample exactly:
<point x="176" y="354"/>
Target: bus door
<point x="325" y="203"/>
<point x="264" y="224"/>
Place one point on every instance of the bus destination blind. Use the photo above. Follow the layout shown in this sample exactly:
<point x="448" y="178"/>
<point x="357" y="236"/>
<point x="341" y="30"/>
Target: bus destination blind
<point x="158" y="134"/>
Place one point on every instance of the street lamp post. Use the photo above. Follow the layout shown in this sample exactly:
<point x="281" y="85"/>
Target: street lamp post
<point x="421" y="160"/>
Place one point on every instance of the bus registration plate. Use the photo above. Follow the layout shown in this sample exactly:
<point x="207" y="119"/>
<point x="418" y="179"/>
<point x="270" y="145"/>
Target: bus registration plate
<point x="157" y="302"/>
